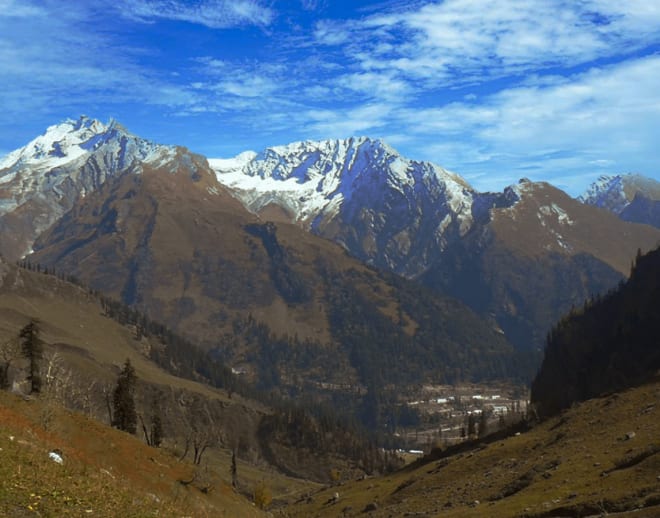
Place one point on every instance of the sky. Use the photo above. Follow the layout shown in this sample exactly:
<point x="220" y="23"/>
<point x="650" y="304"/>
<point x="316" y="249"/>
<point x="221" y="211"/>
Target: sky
<point x="552" y="90"/>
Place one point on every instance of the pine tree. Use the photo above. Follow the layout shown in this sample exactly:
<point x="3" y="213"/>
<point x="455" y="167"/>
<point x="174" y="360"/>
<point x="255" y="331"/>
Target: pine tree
<point x="32" y="349"/>
<point x="156" y="431"/>
<point x="483" y="423"/>
<point x="123" y="399"/>
<point x="471" y="427"/>
<point x="233" y="470"/>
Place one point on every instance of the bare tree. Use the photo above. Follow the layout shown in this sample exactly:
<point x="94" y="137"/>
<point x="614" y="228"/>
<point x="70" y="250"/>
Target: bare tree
<point x="58" y="380"/>
<point x="87" y="398"/>
<point x="106" y="390"/>
<point x="200" y="430"/>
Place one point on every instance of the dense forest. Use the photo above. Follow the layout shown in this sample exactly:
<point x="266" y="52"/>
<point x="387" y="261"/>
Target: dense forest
<point x="606" y="346"/>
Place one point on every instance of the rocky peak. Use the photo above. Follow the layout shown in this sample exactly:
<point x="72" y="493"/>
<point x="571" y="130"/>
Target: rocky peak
<point x="616" y="192"/>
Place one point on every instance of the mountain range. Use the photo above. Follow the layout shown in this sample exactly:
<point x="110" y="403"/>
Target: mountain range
<point x="336" y="271"/>
<point x="494" y="251"/>
<point x="218" y="247"/>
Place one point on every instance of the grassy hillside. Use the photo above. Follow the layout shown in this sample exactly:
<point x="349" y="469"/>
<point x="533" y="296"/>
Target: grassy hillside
<point x="601" y="456"/>
<point x="104" y="472"/>
<point x="84" y="349"/>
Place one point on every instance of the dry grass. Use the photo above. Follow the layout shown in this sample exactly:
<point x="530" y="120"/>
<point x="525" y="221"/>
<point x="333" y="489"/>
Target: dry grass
<point x="105" y="472"/>
<point x="578" y="464"/>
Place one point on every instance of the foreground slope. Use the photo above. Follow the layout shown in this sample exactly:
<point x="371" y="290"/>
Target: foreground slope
<point x="601" y="456"/>
<point x="587" y="457"/>
<point x="83" y="349"/>
<point x="104" y="472"/>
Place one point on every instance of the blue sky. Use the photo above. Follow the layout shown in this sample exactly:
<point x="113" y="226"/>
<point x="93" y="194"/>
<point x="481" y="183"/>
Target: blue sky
<point x="556" y="90"/>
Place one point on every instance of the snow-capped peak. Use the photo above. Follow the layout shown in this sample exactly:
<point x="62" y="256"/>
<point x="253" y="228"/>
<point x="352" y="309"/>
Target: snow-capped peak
<point x="60" y="144"/>
<point x="312" y="177"/>
<point x="606" y="192"/>
<point x="231" y="165"/>
<point x="68" y="161"/>
<point x="615" y="192"/>
<point x="65" y="143"/>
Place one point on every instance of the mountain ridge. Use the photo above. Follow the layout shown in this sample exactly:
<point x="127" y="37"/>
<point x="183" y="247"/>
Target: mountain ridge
<point x="323" y="185"/>
<point x="412" y="218"/>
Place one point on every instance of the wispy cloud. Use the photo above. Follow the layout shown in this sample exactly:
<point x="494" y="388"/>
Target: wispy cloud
<point x="600" y="118"/>
<point x="313" y="5"/>
<point x="19" y="9"/>
<point x="216" y="14"/>
<point x="352" y="121"/>
<point x="50" y="60"/>
<point x="458" y="41"/>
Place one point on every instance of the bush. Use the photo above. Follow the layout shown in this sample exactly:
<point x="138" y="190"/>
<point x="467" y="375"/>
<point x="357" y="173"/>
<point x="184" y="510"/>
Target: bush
<point x="262" y="495"/>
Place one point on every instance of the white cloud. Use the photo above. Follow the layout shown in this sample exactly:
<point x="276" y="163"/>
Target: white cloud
<point x="459" y="40"/>
<point x="384" y="86"/>
<point x="313" y="5"/>
<point x="51" y="61"/>
<point x="598" y="119"/>
<point x="331" y="33"/>
<point x="216" y="14"/>
<point x="343" y="123"/>
<point x="18" y="9"/>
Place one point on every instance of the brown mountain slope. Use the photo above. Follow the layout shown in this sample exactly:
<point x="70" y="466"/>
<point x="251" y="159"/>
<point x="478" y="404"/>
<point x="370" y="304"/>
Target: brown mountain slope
<point x="599" y="457"/>
<point x="180" y="250"/>
<point x="170" y="241"/>
<point x="547" y="220"/>
<point x="528" y="262"/>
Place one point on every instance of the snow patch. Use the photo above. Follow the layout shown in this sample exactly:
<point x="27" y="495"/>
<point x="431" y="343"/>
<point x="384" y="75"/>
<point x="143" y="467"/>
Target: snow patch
<point x="554" y="209"/>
